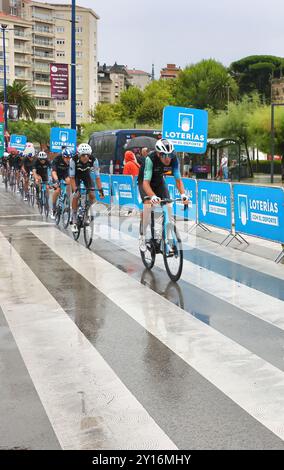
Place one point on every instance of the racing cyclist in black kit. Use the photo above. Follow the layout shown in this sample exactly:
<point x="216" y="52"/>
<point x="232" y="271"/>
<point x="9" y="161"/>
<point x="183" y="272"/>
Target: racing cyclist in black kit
<point x="40" y="172"/>
<point x="81" y="167"/>
<point x="151" y="180"/>
<point x="60" y="171"/>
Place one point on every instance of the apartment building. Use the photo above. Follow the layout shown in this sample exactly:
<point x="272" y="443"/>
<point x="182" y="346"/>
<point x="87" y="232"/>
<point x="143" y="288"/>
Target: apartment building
<point x="112" y="80"/>
<point x="139" y="78"/>
<point x="170" y="71"/>
<point x="41" y="36"/>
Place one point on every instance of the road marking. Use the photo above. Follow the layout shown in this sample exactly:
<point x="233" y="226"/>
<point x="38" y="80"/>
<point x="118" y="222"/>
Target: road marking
<point x="251" y="382"/>
<point x="87" y="404"/>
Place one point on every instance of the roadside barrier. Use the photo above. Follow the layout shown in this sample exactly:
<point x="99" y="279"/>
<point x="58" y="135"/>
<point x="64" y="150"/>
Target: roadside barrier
<point x="240" y="209"/>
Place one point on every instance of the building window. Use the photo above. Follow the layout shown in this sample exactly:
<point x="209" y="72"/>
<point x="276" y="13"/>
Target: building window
<point x="79" y="29"/>
<point x="60" y="103"/>
<point x="79" y="115"/>
<point x="79" y="42"/>
<point x="60" y="54"/>
<point x="79" y="103"/>
<point x="60" y="41"/>
<point x="78" y="18"/>
<point x="79" y="54"/>
<point x="43" y="103"/>
<point x="60" y="29"/>
<point x="61" y="115"/>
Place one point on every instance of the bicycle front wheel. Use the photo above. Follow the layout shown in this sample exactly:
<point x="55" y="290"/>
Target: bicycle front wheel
<point x="173" y="253"/>
<point x="66" y="214"/>
<point x="46" y="204"/>
<point x="148" y="255"/>
<point x="89" y="225"/>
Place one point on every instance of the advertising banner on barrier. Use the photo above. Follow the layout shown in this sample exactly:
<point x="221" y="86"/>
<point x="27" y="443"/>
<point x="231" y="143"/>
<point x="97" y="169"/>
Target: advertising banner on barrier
<point x="137" y="198"/>
<point x="214" y="204"/>
<point x="259" y="211"/>
<point x="123" y="191"/>
<point x="106" y="185"/>
<point x="2" y="140"/>
<point x="180" y="210"/>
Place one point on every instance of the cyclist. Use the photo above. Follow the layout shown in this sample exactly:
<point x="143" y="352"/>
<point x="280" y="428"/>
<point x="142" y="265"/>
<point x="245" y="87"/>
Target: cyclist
<point x="60" y="171"/>
<point x="151" y="180"/>
<point x="5" y="165"/>
<point x="40" y="171"/>
<point x="81" y="167"/>
<point x="27" y="167"/>
<point x="17" y="164"/>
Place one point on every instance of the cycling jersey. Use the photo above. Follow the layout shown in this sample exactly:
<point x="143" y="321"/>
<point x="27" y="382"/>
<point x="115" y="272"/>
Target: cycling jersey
<point x="82" y="171"/>
<point x="153" y="170"/>
<point x="42" y="169"/>
<point x="28" y="164"/>
<point x="61" y="168"/>
<point x="17" y="163"/>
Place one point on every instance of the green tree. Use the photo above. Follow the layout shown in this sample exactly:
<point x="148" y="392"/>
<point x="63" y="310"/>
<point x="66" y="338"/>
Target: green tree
<point x="254" y="73"/>
<point x="19" y="94"/>
<point x="206" y="84"/>
<point x="234" y="123"/>
<point x="157" y="95"/>
<point x="130" y="100"/>
<point x="106" y="112"/>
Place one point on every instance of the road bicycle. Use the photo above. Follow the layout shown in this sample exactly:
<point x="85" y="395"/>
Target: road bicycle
<point x="63" y="206"/>
<point x="163" y="238"/>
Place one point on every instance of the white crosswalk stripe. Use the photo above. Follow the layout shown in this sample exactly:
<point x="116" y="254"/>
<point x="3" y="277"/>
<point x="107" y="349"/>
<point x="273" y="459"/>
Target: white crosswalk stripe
<point x="87" y="404"/>
<point x="245" y="378"/>
<point x="248" y="299"/>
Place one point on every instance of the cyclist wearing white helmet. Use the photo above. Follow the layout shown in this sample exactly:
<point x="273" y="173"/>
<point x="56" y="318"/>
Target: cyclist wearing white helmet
<point x="81" y="167"/>
<point x="40" y="171"/>
<point x="60" y="171"/>
<point x="151" y="179"/>
<point x="27" y="167"/>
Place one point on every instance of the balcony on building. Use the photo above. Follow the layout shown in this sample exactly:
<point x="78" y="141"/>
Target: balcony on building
<point x="45" y="43"/>
<point x="22" y="35"/>
<point x="45" y="30"/>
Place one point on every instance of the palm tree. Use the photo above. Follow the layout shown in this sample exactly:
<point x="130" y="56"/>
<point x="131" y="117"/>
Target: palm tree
<point x="19" y="94"/>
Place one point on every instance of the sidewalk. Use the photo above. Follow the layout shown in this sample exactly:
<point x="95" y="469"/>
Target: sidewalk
<point x="261" y="178"/>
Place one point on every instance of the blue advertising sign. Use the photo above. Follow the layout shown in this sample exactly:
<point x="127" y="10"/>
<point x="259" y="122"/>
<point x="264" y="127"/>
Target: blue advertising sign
<point x="187" y="128"/>
<point x="60" y="137"/>
<point x="180" y="210"/>
<point x="18" y="141"/>
<point x="214" y="204"/>
<point x="259" y="211"/>
<point x="106" y="185"/>
<point x="123" y="191"/>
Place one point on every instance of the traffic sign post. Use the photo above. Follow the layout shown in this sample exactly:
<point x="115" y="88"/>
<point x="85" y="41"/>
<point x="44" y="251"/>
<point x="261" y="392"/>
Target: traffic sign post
<point x="2" y="140"/>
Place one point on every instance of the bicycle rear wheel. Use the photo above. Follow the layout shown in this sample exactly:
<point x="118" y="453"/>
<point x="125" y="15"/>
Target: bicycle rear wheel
<point x="173" y="253"/>
<point x="148" y="256"/>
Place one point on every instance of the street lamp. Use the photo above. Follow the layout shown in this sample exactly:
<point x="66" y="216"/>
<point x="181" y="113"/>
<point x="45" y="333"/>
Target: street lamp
<point x="3" y="28"/>
<point x="272" y="139"/>
<point x="73" y="67"/>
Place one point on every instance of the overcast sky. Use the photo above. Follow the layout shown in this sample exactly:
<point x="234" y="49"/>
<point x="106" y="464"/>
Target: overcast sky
<point x="138" y="33"/>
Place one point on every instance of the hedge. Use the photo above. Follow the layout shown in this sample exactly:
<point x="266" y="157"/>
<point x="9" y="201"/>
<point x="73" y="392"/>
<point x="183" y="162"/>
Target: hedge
<point x="264" y="166"/>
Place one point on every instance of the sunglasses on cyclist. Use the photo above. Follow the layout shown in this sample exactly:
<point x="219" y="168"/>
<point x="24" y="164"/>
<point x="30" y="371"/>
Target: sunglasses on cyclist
<point x="166" y="155"/>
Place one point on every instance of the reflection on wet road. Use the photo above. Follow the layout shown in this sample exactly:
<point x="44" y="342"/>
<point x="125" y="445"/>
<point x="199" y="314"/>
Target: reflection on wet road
<point x="113" y="356"/>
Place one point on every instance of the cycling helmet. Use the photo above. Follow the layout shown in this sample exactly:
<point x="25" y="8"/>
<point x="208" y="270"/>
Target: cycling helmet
<point x="84" y="149"/>
<point x="66" y="152"/>
<point x="29" y="152"/>
<point x="42" y="156"/>
<point x="164" y="146"/>
<point x="12" y="150"/>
